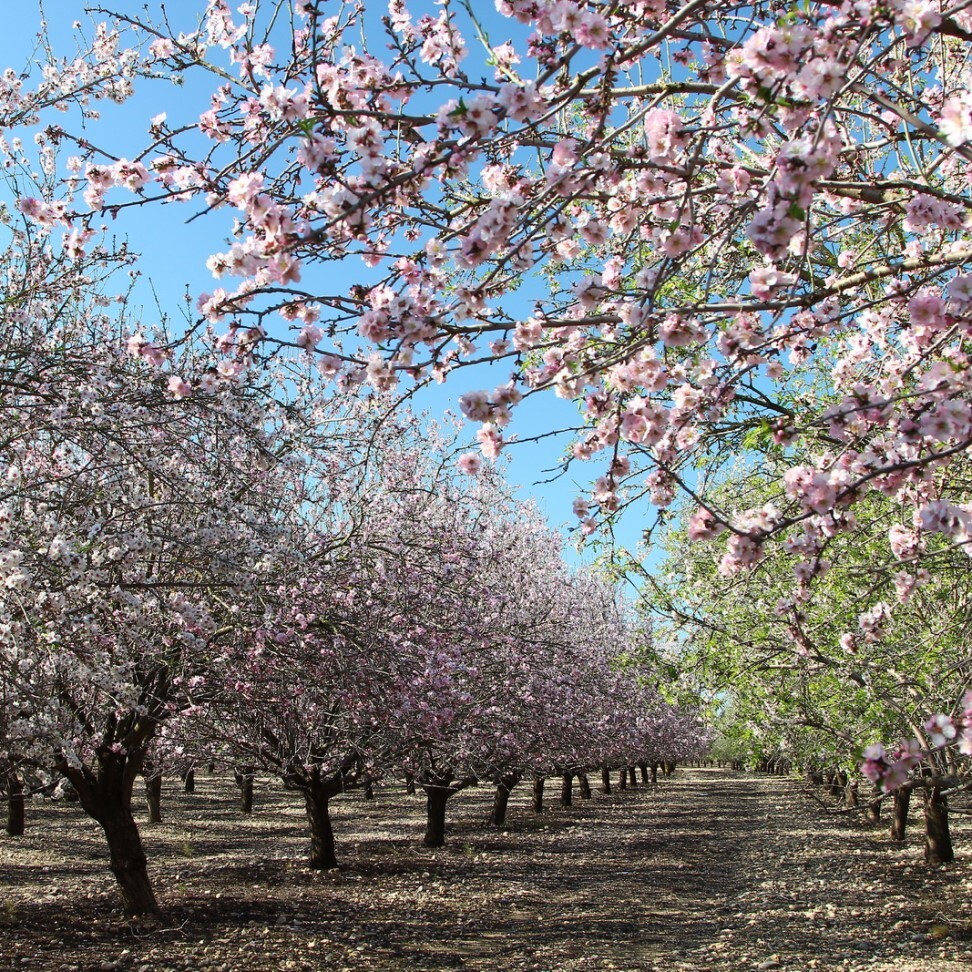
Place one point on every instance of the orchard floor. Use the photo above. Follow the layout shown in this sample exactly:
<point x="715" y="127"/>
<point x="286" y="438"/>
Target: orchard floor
<point x="711" y="870"/>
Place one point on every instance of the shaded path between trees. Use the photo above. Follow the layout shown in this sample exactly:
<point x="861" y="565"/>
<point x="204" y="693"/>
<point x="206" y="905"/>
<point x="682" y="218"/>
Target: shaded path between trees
<point x="712" y="870"/>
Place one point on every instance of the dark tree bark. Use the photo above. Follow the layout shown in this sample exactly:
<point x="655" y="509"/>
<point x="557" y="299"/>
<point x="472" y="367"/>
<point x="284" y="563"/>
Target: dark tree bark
<point x="410" y="784"/>
<point x="623" y="778"/>
<point x="244" y="780"/>
<point x="872" y="813"/>
<point x="632" y="777"/>
<point x="189" y="780"/>
<point x="501" y="799"/>
<point x="318" y="791"/>
<point x="605" y="780"/>
<point x="128" y="862"/>
<point x="536" y="803"/>
<point x="901" y="802"/>
<point x="317" y="807"/>
<point x="15" y="804"/>
<point x="566" y="789"/>
<point x="584" y="784"/>
<point x="938" y="839"/>
<point x="369" y="790"/>
<point x="643" y="767"/>
<point x="654" y="774"/>
<point x="105" y="793"/>
<point x="153" y="797"/>
<point x="436" y="798"/>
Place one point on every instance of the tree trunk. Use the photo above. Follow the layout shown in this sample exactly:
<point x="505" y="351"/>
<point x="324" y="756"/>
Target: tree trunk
<point x="654" y="774"/>
<point x="566" y="789"/>
<point x="850" y="795"/>
<point x="537" y="802"/>
<point x="938" y="840"/>
<point x="369" y="790"/>
<point x="316" y="804"/>
<point x="632" y="777"/>
<point x="501" y="799"/>
<point x="128" y="862"/>
<point x="153" y="797"/>
<point x="15" y="804"/>
<point x="605" y="780"/>
<point x="435" y="814"/>
<point x="585" y="786"/>
<point x="410" y="784"/>
<point x="244" y="780"/>
<point x="623" y="778"/>
<point x="873" y="812"/>
<point x="899" y="813"/>
<point x="105" y="792"/>
<point x="189" y="781"/>
<point x="644" y="772"/>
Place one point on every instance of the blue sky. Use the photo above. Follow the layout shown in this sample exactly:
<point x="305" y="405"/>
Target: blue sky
<point x="174" y="250"/>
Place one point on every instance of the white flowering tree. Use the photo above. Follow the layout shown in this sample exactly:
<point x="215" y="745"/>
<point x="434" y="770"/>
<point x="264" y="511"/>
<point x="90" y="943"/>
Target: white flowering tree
<point x="132" y="524"/>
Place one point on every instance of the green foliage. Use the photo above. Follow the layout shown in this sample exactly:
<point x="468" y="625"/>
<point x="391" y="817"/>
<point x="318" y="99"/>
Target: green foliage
<point x="777" y="673"/>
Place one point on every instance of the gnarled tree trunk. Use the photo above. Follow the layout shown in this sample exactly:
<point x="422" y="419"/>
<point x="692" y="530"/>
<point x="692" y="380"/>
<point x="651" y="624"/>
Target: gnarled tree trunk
<point x="901" y="802"/>
<point x="537" y="800"/>
<point x="584" y="785"/>
<point x="105" y="793"/>
<point x="566" y="789"/>
<point x="153" y="796"/>
<point x="872" y="813"/>
<point x="244" y="780"/>
<point x="501" y="799"/>
<point x="128" y="862"/>
<point x="437" y="795"/>
<point x="938" y="839"/>
<point x="317" y="807"/>
<point x="15" y="804"/>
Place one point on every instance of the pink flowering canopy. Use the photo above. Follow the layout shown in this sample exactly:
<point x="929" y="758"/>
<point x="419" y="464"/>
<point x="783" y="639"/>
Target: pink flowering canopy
<point x="725" y="231"/>
<point x="700" y="222"/>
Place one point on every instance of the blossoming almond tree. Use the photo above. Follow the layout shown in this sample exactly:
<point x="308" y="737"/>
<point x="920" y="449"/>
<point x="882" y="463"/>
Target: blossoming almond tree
<point x="833" y="679"/>
<point x="131" y="521"/>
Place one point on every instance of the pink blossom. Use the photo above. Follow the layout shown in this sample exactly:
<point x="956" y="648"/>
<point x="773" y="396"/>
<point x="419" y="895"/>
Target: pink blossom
<point x="703" y="525"/>
<point x="470" y="464"/>
<point x="666" y="134"/>
<point x="178" y="387"/>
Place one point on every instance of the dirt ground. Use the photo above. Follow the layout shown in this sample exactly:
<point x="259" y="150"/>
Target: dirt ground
<point x="711" y="870"/>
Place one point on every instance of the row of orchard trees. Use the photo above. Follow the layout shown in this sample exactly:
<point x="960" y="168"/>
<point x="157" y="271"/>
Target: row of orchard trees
<point x="744" y="227"/>
<point x="265" y="575"/>
<point x="853" y="669"/>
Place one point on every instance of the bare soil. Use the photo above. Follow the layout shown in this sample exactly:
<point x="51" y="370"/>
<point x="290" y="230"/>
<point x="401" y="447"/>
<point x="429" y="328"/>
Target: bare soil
<point x="710" y="870"/>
